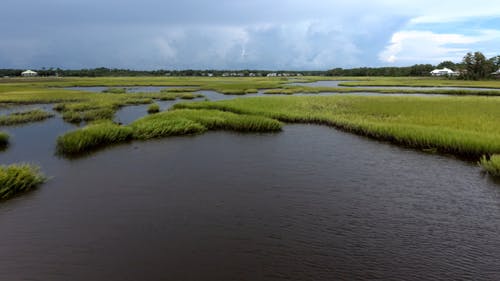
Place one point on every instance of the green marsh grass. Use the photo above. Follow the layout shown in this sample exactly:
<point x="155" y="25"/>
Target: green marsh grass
<point x="220" y="120"/>
<point x="92" y="136"/>
<point x="189" y="96"/>
<point x="180" y="90"/>
<point x="4" y="140"/>
<point x="157" y="126"/>
<point x="464" y="126"/>
<point x="24" y="117"/>
<point x="115" y="91"/>
<point x="491" y="165"/>
<point x="18" y="178"/>
<point x="182" y="122"/>
<point x="160" y="125"/>
<point x="154" y="108"/>
<point x="76" y="117"/>
<point x="459" y="125"/>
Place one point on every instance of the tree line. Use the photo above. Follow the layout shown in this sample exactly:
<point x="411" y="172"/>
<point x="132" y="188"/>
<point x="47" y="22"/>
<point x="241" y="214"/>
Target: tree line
<point x="115" y="72"/>
<point x="472" y="67"/>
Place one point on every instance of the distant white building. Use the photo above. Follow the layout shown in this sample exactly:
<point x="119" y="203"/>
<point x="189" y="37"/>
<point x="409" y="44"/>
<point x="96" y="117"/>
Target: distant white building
<point x="274" y="74"/>
<point x="444" y="72"/>
<point x="496" y="72"/>
<point x="29" y="73"/>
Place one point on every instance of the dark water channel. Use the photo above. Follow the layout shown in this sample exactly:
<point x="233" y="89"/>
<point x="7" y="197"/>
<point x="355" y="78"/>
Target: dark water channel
<point x="309" y="203"/>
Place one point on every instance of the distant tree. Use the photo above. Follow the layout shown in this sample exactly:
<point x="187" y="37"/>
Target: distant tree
<point x="448" y="64"/>
<point x="476" y="66"/>
<point x="495" y="62"/>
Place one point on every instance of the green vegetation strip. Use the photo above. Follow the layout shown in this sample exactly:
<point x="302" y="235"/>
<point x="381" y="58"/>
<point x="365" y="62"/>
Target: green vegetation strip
<point x="464" y="126"/>
<point x="160" y="125"/>
<point x="24" y="117"/>
<point x="18" y="178"/>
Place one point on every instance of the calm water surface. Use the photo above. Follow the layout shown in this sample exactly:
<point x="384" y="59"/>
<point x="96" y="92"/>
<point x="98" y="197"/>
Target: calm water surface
<point x="309" y="203"/>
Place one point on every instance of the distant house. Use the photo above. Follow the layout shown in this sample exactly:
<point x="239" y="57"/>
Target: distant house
<point x="29" y="73"/>
<point x="444" y="72"/>
<point x="274" y="74"/>
<point x="496" y="73"/>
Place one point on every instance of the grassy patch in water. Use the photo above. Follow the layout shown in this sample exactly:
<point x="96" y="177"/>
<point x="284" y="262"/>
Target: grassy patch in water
<point x="491" y="165"/>
<point x="160" y="125"/>
<point x="464" y="126"/>
<point x="91" y="137"/>
<point x="115" y="91"/>
<point x="104" y="113"/>
<point x="179" y="90"/>
<point x="154" y="108"/>
<point x="4" y="140"/>
<point x="18" y="178"/>
<point x="220" y="120"/>
<point x="189" y="96"/>
<point x="24" y="117"/>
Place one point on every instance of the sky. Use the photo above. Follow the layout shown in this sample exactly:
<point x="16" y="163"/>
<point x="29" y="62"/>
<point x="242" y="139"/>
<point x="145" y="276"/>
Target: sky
<point x="244" y="34"/>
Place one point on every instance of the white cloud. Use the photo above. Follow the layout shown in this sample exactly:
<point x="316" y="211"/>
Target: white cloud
<point x="426" y="46"/>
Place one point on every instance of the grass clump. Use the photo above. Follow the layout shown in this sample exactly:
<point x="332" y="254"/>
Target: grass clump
<point x="157" y="126"/>
<point x="91" y="137"/>
<point x="183" y="122"/>
<point x="76" y="117"/>
<point x="154" y="108"/>
<point x="24" y="117"/>
<point x="4" y="140"/>
<point x="251" y="91"/>
<point x="189" y="96"/>
<point x="491" y="165"/>
<point x="18" y="178"/>
<point x="220" y="120"/>
<point x="115" y="91"/>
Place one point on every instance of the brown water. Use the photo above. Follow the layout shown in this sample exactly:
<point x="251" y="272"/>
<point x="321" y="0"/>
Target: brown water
<point x="309" y="203"/>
